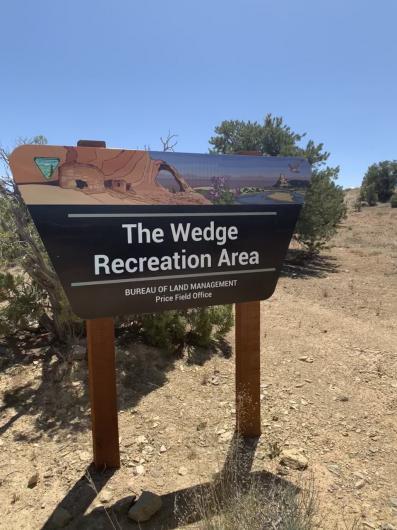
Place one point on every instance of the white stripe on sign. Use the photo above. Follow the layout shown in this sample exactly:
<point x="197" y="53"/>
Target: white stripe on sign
<point x="170" y="277"/>
<point x="141" y="215"/>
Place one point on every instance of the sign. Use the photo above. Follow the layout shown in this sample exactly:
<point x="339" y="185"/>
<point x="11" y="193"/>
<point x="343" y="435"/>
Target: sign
<point x="145" y="231"/>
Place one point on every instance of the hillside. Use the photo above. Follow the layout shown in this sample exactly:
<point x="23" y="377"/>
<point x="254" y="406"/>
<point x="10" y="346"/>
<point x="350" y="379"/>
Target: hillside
<point x="329" y="390"/>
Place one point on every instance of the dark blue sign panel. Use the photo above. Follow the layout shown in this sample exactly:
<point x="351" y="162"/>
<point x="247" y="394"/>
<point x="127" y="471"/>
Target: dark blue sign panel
<point x="143" y="231"/>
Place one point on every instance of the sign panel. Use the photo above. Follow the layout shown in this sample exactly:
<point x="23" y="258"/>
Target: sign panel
<point x="145" y="231"/>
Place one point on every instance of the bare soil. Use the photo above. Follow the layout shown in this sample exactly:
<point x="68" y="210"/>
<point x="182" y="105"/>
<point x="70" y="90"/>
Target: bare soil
<point x="329" y="390"/>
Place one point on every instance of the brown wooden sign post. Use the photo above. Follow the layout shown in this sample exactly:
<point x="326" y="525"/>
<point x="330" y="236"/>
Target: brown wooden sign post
<point x="131" y="231"/>
<point x="102" y="382"/>
<point x="248" y="410"/>
<point x="103" y="393"/>
<point x="248" y="353"/>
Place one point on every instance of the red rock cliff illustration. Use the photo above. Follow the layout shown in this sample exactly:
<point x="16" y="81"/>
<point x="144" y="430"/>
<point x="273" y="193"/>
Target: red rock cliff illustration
<point x="133" y="172"/>
<point x="130" y="176"/>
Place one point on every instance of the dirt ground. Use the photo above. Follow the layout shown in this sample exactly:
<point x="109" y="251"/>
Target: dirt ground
<point x="329" y="389"/>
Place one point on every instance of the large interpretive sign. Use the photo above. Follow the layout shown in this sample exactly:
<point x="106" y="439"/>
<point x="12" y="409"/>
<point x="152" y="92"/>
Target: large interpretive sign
<point x="144" y="231"/>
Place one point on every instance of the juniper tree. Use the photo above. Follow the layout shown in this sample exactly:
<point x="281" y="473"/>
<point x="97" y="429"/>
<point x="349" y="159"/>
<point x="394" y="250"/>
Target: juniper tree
<point x="379" y="182"/>
<point x="324" y="205"/>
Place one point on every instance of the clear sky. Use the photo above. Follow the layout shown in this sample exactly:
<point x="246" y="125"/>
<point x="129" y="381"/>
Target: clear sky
<point x="127" y="71"/>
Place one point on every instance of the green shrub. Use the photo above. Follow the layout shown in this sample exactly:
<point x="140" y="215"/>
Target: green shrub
<point x="379" y="182"/>
<point x="20" y="303"/>
<point x="357" y="205"/>
<point x="393" y="201"/>
<point x="323" y="210"/>
<point x="165" y="330"/>
<point x="34" y="283"/>
<point x="201" y="326"/>
<point x="369" y="195"/>
<point x="221" y="319"/>
<point x="171" y="330"/>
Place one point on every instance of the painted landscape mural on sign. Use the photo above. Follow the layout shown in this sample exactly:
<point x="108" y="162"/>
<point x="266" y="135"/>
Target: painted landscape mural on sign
<point x="91" y="175"/>
<point x="131" y="231"/>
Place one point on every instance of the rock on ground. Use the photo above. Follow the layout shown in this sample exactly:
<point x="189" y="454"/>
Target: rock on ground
<point x="145" y="507"/>
<point x="293" y="459"/>
<point x="33" y="480"/>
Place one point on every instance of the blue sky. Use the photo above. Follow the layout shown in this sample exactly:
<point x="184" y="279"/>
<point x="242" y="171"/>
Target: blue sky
<point x="127" y="71"/>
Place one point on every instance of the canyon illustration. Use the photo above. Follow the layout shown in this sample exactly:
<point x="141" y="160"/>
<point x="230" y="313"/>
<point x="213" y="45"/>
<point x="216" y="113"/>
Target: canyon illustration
<point x="93" y="175"/>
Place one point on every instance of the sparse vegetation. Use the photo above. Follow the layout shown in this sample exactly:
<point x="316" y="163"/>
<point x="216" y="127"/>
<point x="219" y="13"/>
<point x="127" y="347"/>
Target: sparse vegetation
<point x="180" y="412"/>
<point x="256" y="506"/>
<point x="172" y="330"/>
<point x="32" y="293"/>
<point x="237" y="499"/>
<point x="357" y="204"/>
<point x="369" y="194"/>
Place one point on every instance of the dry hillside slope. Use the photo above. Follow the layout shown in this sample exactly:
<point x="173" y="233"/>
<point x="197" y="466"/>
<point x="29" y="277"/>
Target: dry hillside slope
<point x="329" y="390"/>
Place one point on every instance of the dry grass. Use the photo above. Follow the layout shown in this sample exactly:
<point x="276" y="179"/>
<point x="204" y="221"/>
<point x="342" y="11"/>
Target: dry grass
<point x="257" y="508"/>
<point x="243" y="500"/>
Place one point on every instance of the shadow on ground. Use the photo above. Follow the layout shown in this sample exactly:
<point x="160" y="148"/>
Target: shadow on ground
<point x="179" y="507"/>
<point x="55" y="389"/>
<point x="300" y="265"/>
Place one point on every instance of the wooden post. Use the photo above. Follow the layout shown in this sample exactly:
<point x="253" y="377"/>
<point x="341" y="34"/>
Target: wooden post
<point x="248" y="342"/>
<point x="248" y="351"/>
<point x="102" y="381"/>
<point x="103" y="393"/>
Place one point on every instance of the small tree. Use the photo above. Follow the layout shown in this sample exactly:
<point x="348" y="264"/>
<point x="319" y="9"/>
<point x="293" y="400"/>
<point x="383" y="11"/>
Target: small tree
<point x="379" y="182"/>
<point x="369" y="194"/>
<point x="324" y="203"/>
<point x="273" y="138"/>
<point x="324" y="208"/>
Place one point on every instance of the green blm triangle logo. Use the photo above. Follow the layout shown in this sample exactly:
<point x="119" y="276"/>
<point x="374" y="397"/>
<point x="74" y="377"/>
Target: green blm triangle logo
<point x="46" y="165"/>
